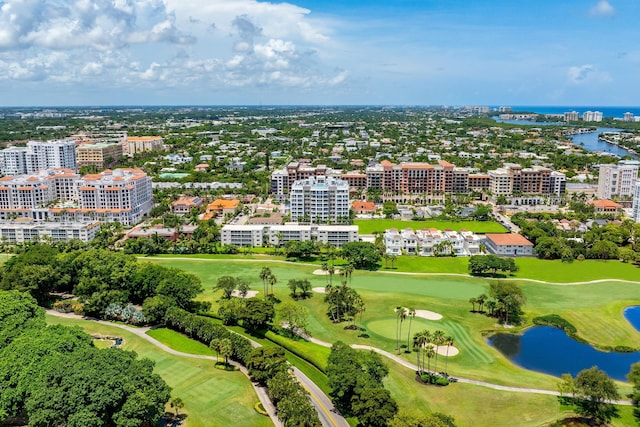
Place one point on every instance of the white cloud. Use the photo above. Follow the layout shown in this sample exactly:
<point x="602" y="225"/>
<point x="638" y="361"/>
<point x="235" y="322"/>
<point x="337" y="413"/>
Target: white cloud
<point x="602" y="8"/>
<point x="587" y="74"/>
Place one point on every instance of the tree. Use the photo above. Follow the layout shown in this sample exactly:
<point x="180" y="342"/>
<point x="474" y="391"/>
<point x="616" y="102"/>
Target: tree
<point x="226" y="284"/>
<point x="176" y="404"/>
<point x="181" y="287"/>
<point x="19" y="312"/>
<point x="257" y="313"/>
<point x="634" y="379"/>
<point x="374" y="407"/>
<point x="265" y="273"/>
<point x="592" y="394"/>
<point x="265" y="363"/>
<point x="242" y="286"/>
<point x="293" y="315"/>
<point x="510" y="299"/>
<point x="361" y="254"/>
<point x="473" y="302"/>
<point x="401" y="314"/>
<point x="155" y="308"/>
<point x="411" y="313"/>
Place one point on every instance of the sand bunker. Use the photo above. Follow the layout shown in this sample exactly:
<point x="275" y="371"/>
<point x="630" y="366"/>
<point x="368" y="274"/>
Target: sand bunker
<point x="429" y="315"/>
<point x="250" y="294"/>
<point x="321" y="272"/>
<point x="319" y="290"/>
<point x="442" y="350"/>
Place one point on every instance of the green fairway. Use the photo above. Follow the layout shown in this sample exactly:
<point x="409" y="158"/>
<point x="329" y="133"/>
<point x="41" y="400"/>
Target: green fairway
<point x="212" y="397"/>
<point x="370" y="226"/>
<point x="595" y="309"/>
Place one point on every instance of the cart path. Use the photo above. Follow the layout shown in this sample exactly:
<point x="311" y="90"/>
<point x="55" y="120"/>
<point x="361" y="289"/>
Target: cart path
<point x="326" y="411"/>
<point x="401" y="273"/>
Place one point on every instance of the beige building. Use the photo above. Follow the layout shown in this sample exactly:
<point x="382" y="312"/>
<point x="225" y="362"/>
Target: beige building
<point x="103" y="155"/>
<point x="140" y="144"/>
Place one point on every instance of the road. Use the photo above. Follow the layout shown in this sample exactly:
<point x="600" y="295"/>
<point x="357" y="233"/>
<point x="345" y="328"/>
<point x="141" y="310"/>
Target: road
<point x="329" y="416"/>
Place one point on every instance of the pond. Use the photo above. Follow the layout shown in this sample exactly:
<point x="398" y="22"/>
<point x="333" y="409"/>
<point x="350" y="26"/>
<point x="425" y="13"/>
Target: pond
<point x="632" y="314"/>
<point x="551" y="351"/>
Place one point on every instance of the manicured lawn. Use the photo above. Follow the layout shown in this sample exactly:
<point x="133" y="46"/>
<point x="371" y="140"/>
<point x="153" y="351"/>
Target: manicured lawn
<point x="369" y="226"/>
<point x="212" y="397"/>
<point x="577" y="271"/>
<point x="595" y="309"/>
<point x="102" y="343"/>
<point x="177" y="341"/>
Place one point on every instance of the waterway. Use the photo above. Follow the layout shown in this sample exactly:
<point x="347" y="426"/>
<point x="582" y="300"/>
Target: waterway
<point x="551" y="351"/>
<point x="589" y="141"/>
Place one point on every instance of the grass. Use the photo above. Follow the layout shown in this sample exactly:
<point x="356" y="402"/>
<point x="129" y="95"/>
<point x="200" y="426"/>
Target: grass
<point x="102" y="343"/>
<point x="370" y="226"/>
<point x="177" y="341"/>
<point x="212" y="397"/>
<point x="595" y="310"/>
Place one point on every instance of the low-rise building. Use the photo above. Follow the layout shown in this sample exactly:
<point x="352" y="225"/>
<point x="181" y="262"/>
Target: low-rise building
<point x="184" y="205"/>
<point x="279" y="235"/>
<point x="221" y="207"/>
<point x="431" y="242"/>
<point x="509" y="244"/>
<point x="140" y="144"/>
<point x="605" y="206"/>
<point x="243" y="235"/>
<point x="361" y="207"/>
<point x="27" y="230"/>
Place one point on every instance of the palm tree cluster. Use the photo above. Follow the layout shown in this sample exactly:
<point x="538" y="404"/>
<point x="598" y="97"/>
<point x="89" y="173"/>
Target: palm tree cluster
<point x="267" y="278"/>
<point x="344" y="303"/>
<point x="426" y="343"/>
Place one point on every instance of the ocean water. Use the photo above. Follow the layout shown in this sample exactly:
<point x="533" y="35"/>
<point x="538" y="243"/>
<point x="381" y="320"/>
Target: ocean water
<point x="606" y="111"/>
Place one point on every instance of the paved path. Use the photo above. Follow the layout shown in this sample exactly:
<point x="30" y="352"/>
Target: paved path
<point x="413" y="367"/>
<point x="402" y="273"/>
<point x="142" y="333"/>
<point x="327" y="413"/>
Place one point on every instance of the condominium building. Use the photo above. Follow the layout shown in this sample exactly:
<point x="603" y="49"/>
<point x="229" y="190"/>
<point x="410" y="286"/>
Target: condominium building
<point x="618" y="180"/>
<point x="513" y="178"/>
<point x="283" y="179"/>
<point x="592" y="116"/>
<point x="140" y="144"/>
<point x="279" y="235"/>
<point x="38" y="155"/>
<point x="571" y="116"/>
<point x="430" y="242"/>
<point x="636" y="203"/>
<point x="28" y="230"/>
<point x="122" y="195"/>
<point x="319" y="199"/>
<point x="102" y="155"/>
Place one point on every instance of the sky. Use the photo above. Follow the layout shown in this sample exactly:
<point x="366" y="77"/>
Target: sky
<point x="319" y="52"/>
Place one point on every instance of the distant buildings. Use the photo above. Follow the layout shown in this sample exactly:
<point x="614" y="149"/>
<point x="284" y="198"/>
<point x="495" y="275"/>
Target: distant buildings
<point x="618" y="180"/>
<point x="592" y="116"/>
<point x="426" y="180"/>
<point x="571" y="116"/>
<point x="319" y="199"/>
<point x="141" y="144"/>
<point x="38" y="155"/>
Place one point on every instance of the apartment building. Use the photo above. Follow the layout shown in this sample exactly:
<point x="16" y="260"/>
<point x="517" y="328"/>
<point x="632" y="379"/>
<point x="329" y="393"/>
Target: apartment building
<point x="509" y="244"/>
<point x="141" y="144"/>
<point x="283" y="179"/>
<point x="618" y="180"/>
<point x="592" y="116"/>
<point x="279" y="235"/>
<point x="38" y="155"/>
<point x="319" y="199"/>
<point x="61" y="195"/>
<point x="513" y="178"/>
<point x="102" y="155"/>
<point x="28" y="230"/>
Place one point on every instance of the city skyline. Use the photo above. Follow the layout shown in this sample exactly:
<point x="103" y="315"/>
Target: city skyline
<point x="247" y="52"/>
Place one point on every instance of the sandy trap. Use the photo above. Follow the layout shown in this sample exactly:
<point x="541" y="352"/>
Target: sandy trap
<point x="429" y="315"/>
<point x="250" y="294"/>
<point x="442" y="350"/>
<point x="325" y="273"/>
<point x="319" y="290"/>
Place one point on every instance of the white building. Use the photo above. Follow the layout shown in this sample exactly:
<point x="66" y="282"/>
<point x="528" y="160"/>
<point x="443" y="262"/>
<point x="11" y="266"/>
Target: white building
<point x="279" y="235"/>
<point x="36" y="231"/>
<point x="429" y="242"/>
<point x="636" y="203"/>
<point x="592" y="116"/>
<point x="618" y="180"/>
<point x="61" y="195"/>
<point x="319" y="198"/>
<point x="38" y="155"/>
<point x="508" y="244"/>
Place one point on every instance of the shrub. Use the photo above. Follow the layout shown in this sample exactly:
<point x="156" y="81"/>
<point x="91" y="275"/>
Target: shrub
<point x="63" y="306"/>
<point x="557" y="321"/>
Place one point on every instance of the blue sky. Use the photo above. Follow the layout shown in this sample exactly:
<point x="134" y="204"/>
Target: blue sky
<point x="402" y="52"/>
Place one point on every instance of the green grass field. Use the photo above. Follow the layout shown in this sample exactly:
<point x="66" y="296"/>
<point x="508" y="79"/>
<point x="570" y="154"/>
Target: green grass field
<point x="595" y="309"/>
<point x="369" y="226"/>
<point x="212" y="397"/>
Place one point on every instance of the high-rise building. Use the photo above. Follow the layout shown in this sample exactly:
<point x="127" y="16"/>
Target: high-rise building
<point x="618" y="180"/>
<point x="636" y="203"/>
<point x="102" y="155"/>
<point x="319" y="199"/>
<point x="571" y="116"/>
<point x="38" y="155"/>
<point x="628" y="117"/>
<point x="592" y="116"/>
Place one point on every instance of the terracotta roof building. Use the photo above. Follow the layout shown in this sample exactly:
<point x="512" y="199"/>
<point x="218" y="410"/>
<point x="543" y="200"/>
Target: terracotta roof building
<point x="509" y="244"/>
<point x="605" y="206"/>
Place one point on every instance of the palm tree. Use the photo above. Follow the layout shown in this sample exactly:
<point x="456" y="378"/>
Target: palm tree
<point x="272" y="281"/>
<point x="332" y="271"/>
<point x="325" y="269"/>
<point x="348" y="271"/>
<point x="399" y="311"/>
<point x="421" y="339"/>
<point x="438" y="340"/>
<point x="481" y="300"/>
<point x="265" y="274"/>
<point x="491" y="305"/>
<point x="430" y="353"/>
<point x="411" y="312"/>
<point x="449" y="342"/>
<point x="473" y="301"/>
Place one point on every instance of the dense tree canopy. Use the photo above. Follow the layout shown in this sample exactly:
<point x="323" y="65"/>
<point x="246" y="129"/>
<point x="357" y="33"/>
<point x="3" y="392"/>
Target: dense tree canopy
<point x="361" y="254"/>
<point x="592" y="394"/>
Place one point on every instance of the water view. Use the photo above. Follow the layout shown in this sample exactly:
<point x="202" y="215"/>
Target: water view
<point x="550" y="350"/>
